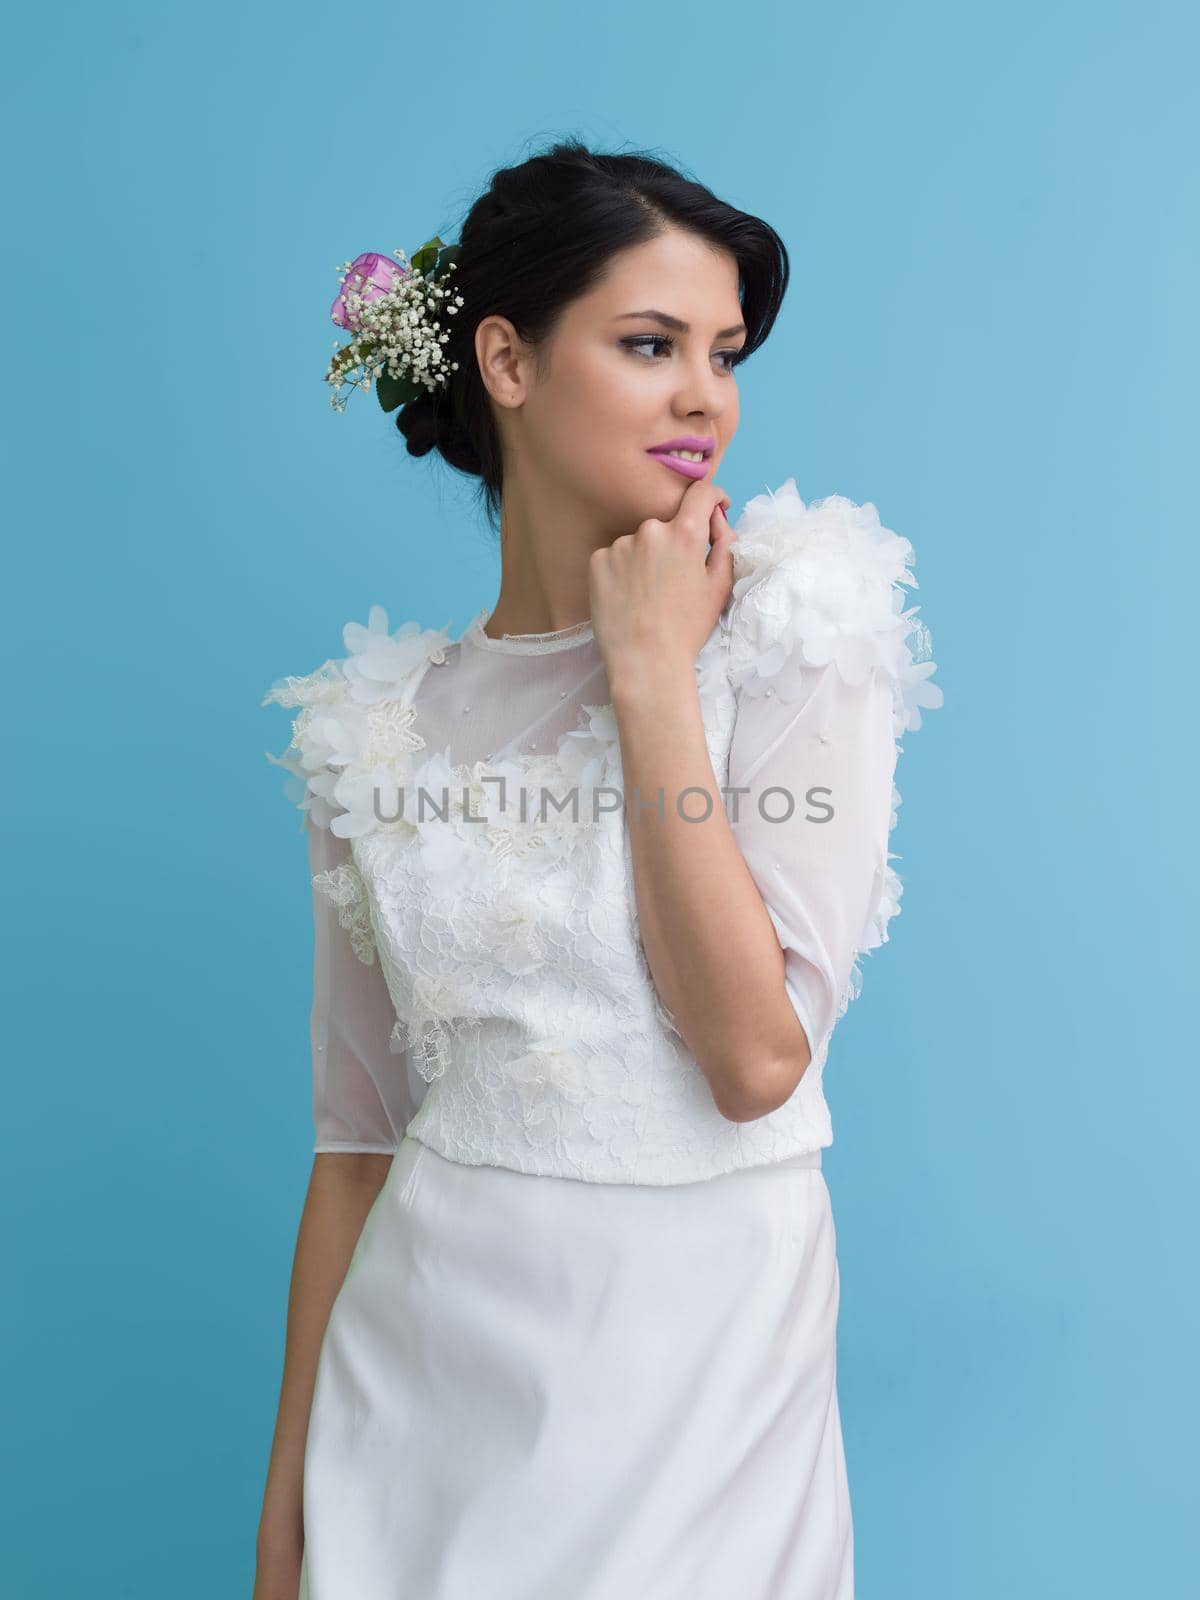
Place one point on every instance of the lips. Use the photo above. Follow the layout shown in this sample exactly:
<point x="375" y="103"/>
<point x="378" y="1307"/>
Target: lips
<point x="689" y="469"/>
<point x="685" y="441"/>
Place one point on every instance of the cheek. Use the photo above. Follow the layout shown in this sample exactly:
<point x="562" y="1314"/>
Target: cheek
<point x="620" y="389"/>
<point x="604" y="404"/>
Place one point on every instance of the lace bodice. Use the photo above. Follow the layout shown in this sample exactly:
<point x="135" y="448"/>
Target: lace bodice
<point x="479" y="977"/>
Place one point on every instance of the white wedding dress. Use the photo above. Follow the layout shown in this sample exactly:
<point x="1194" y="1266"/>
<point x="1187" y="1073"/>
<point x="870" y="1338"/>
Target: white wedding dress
<point x="586" y="1345"/>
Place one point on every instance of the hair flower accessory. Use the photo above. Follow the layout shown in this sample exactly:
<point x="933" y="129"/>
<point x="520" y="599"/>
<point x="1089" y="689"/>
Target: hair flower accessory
<point x="393" y="309"/>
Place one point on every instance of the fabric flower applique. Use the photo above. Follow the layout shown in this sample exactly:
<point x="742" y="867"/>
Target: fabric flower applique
<point x="586" y="755"/>
<point x="378" y="663"/>
<point x="550" y="1067"/>
<point x="354" y="737"/>
<point x="821" y="583"/>
<point x="439" y="799"/>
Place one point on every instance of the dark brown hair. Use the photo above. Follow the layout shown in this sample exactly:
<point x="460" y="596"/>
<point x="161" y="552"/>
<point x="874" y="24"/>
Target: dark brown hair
<point x="540" y="236"/>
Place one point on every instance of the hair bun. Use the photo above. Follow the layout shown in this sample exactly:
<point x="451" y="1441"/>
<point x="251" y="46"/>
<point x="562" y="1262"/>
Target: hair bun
<point x="419" y="422"/>
<point x="428" y="423"/>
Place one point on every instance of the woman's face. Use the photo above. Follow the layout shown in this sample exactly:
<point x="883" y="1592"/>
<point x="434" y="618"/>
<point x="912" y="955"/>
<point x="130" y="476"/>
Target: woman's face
<point x="619" y="381"/>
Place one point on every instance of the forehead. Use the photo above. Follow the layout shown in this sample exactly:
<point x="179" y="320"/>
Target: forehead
<point x="676" y="272"/>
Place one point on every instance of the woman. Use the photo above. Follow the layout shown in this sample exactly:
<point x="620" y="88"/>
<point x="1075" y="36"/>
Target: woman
<point x="589" y="887"/>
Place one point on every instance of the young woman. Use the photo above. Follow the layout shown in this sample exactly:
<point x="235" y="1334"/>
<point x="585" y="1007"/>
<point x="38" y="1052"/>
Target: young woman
<point x="590" y="882"/>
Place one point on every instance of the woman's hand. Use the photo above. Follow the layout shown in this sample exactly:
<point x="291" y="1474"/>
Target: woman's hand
<point x="656" y="593"/>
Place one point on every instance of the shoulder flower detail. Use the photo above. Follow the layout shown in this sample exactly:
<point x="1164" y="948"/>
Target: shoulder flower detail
<point x="378" y="663"/>
<point x="823" y="583"/>
<point x="353" y="725"/>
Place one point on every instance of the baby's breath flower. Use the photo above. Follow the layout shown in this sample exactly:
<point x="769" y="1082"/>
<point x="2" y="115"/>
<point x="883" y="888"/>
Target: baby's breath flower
<point x="394" y="314"/>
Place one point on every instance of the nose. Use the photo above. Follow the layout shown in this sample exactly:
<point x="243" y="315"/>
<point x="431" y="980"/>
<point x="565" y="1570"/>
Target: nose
<point x="700" y="391"/>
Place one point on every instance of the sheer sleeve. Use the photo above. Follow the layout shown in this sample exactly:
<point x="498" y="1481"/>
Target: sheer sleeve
<point x="364" y="1092"/>
<point x="826" y="679"/>
<point x="812" y="826"/>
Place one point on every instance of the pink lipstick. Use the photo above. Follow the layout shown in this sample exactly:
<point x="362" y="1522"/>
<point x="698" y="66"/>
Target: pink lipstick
<point x="689" y="469"/>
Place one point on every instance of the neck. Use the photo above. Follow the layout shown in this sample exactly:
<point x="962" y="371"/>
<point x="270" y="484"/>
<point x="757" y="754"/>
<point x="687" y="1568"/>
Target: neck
<point x="545" y="547"/>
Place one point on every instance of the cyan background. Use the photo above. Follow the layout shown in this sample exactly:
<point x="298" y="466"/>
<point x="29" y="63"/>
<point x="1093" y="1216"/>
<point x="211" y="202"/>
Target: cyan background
<point x="992" y="334"/>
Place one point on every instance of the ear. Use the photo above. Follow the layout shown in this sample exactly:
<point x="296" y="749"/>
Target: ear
<point x="501" y="354"/>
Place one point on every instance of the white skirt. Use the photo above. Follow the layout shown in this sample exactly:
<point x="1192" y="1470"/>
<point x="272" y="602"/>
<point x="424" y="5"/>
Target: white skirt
<point x="536" y="1388"/>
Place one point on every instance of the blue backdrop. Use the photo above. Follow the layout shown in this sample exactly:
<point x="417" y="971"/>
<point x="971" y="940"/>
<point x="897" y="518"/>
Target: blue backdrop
<point x="992" y="334"/>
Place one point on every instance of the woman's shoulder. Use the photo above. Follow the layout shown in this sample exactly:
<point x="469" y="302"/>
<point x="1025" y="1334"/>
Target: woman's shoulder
<point x="336" y="703"/>
<point x="825" y="583"/>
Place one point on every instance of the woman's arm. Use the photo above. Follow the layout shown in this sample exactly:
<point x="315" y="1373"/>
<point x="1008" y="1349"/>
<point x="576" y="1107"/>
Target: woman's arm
<point x="710" y="943"/>
<point x="752" y="924"/>
<point x="341" y="1191"/>
<point x="361" y="1103"/>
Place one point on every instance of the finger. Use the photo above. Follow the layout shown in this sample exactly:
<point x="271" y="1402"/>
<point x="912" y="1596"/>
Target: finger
<point x="697" y="506"/>
<point x="719" y="518"/>
<point x="723" y="537"/>
<point x="720" y="562"/>
<point x="722" y="505"/>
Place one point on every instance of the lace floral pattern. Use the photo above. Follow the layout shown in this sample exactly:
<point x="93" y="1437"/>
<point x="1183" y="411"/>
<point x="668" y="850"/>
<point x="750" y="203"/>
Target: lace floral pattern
<point x="343" y="885"/>
<point x="509" y="940"/>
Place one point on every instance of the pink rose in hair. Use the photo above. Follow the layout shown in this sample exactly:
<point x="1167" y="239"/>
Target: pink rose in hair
<point x="370" y="276"/>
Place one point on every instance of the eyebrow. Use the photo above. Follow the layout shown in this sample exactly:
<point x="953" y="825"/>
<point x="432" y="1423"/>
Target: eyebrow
<point x="678" y="325"/>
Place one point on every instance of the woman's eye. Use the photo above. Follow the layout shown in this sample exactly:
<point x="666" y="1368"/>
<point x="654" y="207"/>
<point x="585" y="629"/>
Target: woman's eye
<point x="665" y="339"/>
